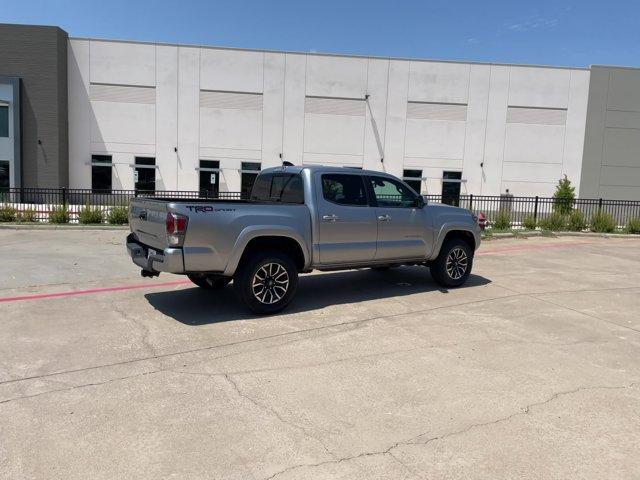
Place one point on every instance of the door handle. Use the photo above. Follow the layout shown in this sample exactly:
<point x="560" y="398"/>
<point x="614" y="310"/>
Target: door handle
<point x="330" y="218"/>
<point x="384" y="218"/>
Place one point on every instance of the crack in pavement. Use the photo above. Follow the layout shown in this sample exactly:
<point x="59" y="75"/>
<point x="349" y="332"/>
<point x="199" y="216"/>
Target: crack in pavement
<point x="74" y="387"/>
<point x="267" y="408"/>
<point x="295" y="332"/>
<point x="144" y="330"/>
<point x="415" y="440"/>
<point x="251" y="340"/>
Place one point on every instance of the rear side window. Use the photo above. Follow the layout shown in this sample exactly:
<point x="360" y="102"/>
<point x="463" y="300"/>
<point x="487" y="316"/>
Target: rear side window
<point x="278" y="187"/>
<point x="344" y="189"/>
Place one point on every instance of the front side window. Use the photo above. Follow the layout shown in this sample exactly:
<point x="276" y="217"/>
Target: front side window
<point x="4" y="121"/>
<point x="344" y="189"/>
<point x="391" y="193"/>
<point x="101" y="173"/>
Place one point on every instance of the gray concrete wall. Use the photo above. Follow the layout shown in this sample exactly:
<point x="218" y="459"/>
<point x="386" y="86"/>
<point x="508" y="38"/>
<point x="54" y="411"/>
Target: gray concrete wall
<point x="611" y="161"/>
<point x="38" y="56"/>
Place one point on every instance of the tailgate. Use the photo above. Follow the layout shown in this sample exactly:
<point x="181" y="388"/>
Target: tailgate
<point x="147" y="219"/>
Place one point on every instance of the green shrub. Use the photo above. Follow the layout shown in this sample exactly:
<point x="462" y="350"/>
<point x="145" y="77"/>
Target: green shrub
<point x="28" y="215"/>
<point x="529" y="222"/>
<point x="502" y="220"/>
<point x="90" y="215"/>
<point x="7" y="213"/>
<point x="59" y="214"/>
<point x="554" y="222"/>
<point x="633" y="226"/>
<point x="603" y="222"/>
<point x="118" y="216"/>
<point x="564" y="197"/>
<point x="576" y="221"/>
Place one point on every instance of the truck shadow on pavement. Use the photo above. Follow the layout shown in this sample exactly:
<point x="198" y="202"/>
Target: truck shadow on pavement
<point x="196" y="306"/>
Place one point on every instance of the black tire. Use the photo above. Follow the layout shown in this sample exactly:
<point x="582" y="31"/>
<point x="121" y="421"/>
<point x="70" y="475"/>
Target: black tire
<point x="209" y="282"/>
<point x="454" y="263"/>
<point x="276" y="268"/>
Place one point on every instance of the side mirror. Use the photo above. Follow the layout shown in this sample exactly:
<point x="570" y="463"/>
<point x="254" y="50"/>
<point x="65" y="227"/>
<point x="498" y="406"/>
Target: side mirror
<point x="420" y="202"/>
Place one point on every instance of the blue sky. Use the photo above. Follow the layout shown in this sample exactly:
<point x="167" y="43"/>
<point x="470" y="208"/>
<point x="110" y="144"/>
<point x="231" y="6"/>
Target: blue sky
<point x="570" y="33"/>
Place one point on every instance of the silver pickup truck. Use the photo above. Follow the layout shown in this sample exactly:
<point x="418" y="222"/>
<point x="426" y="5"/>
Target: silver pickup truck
<point x="299" y="219"/>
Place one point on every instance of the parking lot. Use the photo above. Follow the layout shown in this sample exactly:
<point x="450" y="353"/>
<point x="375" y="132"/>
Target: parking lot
<point x="532" y="370"/>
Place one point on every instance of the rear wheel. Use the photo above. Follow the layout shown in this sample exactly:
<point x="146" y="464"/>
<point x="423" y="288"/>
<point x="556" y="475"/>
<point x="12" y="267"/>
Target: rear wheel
<point x="209" y="282"/>
<point x="267" y="282"/>
<point x="453" y="265"/>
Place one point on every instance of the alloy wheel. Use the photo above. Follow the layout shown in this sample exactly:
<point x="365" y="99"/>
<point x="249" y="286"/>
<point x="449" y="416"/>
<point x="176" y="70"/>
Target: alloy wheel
<point x="270" y="283"/>
<point x="457" y="263"/>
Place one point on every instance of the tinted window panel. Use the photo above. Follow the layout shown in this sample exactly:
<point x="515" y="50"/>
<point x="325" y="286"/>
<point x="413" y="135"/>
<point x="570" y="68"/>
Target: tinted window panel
<point x="100" y="174"/>
<point x="293" y="191"/>
<point x="262" y="188"/>
<point x="285" y="188"/>
<point x="391" y="193"/>
<point x="4" y="121"/>
<point x="344" y="189"/>
<point x="4" y="175"/>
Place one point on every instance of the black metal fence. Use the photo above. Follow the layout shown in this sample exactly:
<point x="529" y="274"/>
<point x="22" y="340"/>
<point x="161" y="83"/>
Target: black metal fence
<point x="42" y="200"/>
<point x="539" y="208"/>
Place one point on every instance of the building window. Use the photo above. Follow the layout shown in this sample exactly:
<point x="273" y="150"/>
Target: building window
<point x="451" y="187"/>
<point x="4" y="176"/>
<point x="101" y="173"/>
<point x="144" y="175"/>
<point x="4" y="120"/>
<point x="413" y="178"/>
<point x="209" y="178"/>
<point x="249" y="172"/>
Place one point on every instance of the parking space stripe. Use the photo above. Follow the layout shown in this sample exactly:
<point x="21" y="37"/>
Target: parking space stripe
<point x="72" y="293"/>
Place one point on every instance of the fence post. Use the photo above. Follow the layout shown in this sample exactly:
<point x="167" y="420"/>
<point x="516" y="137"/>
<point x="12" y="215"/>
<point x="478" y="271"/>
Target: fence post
<point x="64" y="196"/>
<point x="535" y="209"/>
<point x="471" y="202"/>
<point x="600" y="204"/>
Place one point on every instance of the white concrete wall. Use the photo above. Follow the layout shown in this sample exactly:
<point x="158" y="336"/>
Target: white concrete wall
<point x="259" y="106"/>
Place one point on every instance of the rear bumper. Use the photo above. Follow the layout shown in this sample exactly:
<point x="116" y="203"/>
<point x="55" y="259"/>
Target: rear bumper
<point x="169" y="260"/>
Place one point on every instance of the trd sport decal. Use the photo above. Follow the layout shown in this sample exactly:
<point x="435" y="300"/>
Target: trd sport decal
<point x="207" y="208"/>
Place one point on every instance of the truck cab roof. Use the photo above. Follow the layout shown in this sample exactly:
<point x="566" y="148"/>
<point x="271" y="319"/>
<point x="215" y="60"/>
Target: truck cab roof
<point x="296" y="169"/>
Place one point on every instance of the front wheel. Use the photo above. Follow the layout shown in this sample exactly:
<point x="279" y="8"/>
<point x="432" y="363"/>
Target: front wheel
<point x="453" y="265"/>
<point x="267" y="282"/>
<point x="209" y="282"/>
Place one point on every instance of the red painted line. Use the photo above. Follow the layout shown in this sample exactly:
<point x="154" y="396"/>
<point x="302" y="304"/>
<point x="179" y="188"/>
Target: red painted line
<point x="93" y="290"/>
<point x="184" y="282"/>
<point x="525" y="248"/>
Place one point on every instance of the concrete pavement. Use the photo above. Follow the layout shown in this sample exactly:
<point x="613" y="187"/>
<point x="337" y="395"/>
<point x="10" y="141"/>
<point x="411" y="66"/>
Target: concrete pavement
<point x="530" y="371"/>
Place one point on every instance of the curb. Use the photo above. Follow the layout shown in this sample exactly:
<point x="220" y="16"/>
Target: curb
<point x="16" y="226"/>
<point x="539" y="233"/>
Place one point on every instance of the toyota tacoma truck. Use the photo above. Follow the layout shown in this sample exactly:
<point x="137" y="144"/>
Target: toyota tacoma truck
<point x="299" y="219"/>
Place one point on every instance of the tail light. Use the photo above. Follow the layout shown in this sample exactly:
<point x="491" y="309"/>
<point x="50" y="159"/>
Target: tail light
<point x="176" y="228"/>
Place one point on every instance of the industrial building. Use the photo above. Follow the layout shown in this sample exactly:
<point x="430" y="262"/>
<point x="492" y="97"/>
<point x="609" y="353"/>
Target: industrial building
<point x="107" y="114"/>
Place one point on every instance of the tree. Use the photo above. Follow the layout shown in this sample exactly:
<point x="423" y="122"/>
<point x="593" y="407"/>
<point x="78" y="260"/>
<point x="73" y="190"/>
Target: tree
<point x="564" y="196"/>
